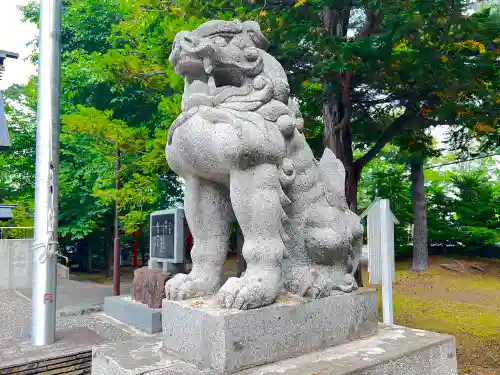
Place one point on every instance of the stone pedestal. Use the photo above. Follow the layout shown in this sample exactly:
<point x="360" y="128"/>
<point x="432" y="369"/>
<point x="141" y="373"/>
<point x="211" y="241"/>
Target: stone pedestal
<point x="337" y="335"/>
<point x="392" y="351"/>
<point x="228" y="340"/>
<point x="133" y="313"/>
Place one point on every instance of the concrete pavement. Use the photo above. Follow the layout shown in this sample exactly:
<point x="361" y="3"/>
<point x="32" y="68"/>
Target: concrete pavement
<point x="76" y="293"/>
<point x="15" y="306"/>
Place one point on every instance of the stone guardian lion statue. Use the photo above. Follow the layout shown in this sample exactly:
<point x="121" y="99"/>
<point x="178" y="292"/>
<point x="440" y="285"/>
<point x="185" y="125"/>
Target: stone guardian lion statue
<point x="239" y="147"/>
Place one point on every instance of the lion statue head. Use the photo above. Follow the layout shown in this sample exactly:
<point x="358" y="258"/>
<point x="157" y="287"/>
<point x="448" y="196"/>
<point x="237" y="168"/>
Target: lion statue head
<point x="228" y="54"/>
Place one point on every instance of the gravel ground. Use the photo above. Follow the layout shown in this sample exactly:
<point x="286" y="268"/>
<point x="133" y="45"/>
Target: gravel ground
<point x="15" y="314"/>
<point x="15" y="309"/>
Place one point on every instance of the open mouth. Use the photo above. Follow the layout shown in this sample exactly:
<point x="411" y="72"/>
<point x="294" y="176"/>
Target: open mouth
<point x="194" y="69"/>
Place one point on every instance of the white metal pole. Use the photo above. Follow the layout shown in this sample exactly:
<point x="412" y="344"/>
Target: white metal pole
<point x="385" y="220"/>
<point x="46" y="179"/>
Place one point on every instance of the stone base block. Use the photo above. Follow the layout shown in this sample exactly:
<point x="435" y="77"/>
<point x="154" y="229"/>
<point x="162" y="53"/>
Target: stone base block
<point x="228" y="340"/>
<point x="392" y="351"/>
<point x="148" y="287"/>
<point x="134" y="313"/>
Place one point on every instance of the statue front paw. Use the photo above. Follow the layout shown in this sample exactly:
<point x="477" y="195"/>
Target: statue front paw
<point x="250" y="291"/>
<point x="192" y="285"/>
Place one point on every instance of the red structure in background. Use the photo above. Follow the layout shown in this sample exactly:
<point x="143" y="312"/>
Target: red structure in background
<point x="189" y="240"/>
<point x="135" y="249"/>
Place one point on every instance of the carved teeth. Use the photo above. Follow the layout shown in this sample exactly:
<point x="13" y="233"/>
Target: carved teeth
<point x="207" y="65"/>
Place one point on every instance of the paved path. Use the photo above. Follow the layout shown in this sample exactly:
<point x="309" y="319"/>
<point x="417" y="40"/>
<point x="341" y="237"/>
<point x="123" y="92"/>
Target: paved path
<point x="76" y="293"/>
<point x="15" y="305"/>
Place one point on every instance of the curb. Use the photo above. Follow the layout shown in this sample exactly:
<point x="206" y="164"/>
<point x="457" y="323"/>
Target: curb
<point x="79" y="310"/>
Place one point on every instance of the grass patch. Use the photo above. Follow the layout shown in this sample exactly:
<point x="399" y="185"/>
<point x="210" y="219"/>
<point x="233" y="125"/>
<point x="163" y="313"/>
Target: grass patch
<point x="463" y="304"/>
<point x="456" y="318"/>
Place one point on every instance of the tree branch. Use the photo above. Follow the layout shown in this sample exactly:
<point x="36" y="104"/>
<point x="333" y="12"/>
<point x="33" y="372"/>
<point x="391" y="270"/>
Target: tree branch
<point x="346" y="99"/>
<point x="373" y="24"/>
<point x="397" y="126"/>
<point x="152" y="74"/>
<point x="368" y="103"/>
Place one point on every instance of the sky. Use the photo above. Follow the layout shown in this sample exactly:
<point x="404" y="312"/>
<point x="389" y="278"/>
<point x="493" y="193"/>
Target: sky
<point x="14" y="35"/>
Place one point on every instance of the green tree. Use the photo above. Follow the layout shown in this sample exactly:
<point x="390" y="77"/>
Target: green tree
<point x="462" y="202"/>
<point x="112" y="96"/>
<point x="18" y="162"/>
<point x="416" y="147"/>
<point x="353" y="64"/>
<point x="387" y="177"/>
<point x="477" y="214"/>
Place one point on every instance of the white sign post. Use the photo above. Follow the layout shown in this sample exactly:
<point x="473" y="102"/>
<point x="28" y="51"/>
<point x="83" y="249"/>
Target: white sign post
<point x="381" y="265"/>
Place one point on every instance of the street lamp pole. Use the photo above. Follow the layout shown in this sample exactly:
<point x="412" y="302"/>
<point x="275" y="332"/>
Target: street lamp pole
<point x="46" y="178"/>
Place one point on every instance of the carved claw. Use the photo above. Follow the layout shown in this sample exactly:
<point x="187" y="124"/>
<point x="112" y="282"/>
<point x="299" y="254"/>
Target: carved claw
<point x="348" y="285"/>
<point x="317" y="282"/>
<point x="248" y="292"/>
<point x="183" y="286"/>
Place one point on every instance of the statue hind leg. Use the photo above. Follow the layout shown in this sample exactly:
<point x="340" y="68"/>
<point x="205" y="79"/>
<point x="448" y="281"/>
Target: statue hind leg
<point x="331" y="239"/>
<point x="256" y="204"/>
<point x="209" y="214"/>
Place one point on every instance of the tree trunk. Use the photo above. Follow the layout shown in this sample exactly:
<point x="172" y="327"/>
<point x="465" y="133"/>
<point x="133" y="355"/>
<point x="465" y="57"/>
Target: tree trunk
<point x="337" y="106"/>
<point x="353" y="175"/>
<point x="337" y="110"/>
<point x="108" y="258"/>
<point x="420" y="249"/>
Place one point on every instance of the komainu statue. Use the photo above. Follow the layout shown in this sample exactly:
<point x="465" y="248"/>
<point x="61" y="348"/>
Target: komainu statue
<point x="239" y="147"/>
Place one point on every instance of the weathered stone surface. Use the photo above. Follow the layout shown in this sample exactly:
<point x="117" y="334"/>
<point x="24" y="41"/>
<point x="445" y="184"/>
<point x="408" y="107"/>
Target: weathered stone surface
<point x="79" y="310"/>
<point x="201" y="332"/>
<point x="148" y="287"/>
<point x="392" y="351"/>
<point x="239" y="147"/>
<point x="16" y="264"/>
<point x="134" y="313"/>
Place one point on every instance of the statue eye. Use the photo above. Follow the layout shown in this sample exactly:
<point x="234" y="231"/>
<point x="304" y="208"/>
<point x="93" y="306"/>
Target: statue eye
<point x="251" y="54"/>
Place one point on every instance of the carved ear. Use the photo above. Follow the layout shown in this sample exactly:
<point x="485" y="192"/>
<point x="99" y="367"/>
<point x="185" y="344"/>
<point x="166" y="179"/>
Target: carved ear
<point x="252" y="28"/>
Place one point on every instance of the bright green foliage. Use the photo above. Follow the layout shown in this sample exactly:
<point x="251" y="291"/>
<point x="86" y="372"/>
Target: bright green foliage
<point x="385" y="177"/>
<point x="478" y="210"/>
<point x="17" y="166"/>
<point x="421" y="62"/>
<point x="117" y="91"/>
<point x="462" y="204"/>
<point x="424" y="59"/>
